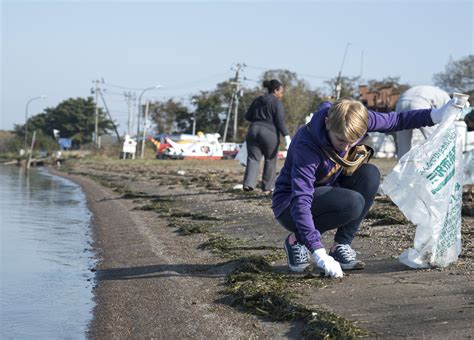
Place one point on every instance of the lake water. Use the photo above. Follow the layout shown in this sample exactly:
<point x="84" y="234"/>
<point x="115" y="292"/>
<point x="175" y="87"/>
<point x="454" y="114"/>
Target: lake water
<point x="46" y="256"/>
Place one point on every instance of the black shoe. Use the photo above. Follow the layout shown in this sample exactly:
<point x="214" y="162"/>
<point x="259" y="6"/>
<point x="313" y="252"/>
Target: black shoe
<point x="297" y="255"/>
<point x="346" y="256"/>
<point x="247" y="188"/>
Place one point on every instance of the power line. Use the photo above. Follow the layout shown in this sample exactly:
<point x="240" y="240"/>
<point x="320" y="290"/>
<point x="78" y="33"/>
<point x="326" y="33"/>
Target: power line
<point x="123" y="87"/>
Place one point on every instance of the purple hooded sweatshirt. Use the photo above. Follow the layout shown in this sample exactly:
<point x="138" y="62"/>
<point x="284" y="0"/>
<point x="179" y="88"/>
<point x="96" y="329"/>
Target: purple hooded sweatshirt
<point x="306" y="164"/>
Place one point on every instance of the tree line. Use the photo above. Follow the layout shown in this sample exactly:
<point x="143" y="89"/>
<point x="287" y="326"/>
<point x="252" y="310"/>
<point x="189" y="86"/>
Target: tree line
<point x="75" y="117"/>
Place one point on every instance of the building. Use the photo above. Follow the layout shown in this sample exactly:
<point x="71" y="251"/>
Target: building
<point x="382" y="100"/>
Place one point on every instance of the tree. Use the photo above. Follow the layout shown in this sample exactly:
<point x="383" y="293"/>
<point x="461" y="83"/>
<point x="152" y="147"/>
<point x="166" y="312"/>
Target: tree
<point x="74" y="118"/>
<point x="458" y="75"/>
<point x="299" y="100"/>
<point x="170" y="115"/>
<point x="208" y="106"/>
<point x="389" y="82"/>
<point x="211" y="108"/>
<point x="349" y="86"/>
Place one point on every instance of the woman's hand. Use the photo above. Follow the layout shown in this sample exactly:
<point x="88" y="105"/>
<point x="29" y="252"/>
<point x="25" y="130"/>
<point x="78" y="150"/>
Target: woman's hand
<point x="323" y="261"/>
<point x="287" y="142"/>
<point x="445" y="111"/>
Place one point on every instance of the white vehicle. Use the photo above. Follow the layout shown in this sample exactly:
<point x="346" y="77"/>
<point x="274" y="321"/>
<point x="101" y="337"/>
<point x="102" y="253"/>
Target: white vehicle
<point x="200" y="146"/>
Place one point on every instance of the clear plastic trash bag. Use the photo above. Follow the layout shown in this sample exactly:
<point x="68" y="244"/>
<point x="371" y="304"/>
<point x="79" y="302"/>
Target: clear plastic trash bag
<point x="426" y="185"/>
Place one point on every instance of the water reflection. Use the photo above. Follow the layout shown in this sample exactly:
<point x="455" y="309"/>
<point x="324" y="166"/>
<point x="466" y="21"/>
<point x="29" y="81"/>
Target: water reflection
<point x="46" y="283"/>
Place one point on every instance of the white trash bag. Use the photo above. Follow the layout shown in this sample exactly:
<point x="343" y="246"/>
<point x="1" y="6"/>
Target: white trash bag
<point x="242" y="155"/>
<point x="426" y="185"/>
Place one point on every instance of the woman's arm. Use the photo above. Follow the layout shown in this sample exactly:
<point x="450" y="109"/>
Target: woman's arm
<point x="302" y="189"/>
<point x="393" y="121"/>
<point x="279" y="118"/>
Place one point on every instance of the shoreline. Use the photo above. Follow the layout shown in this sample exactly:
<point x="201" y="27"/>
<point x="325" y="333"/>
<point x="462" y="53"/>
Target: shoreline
<point x="152" y="306"/>
<point x="88" y="189"/>
<point x="153" y="282"/>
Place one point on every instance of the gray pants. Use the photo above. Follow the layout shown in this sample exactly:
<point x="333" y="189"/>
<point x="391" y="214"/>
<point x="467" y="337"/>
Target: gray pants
<point x="262" y="140"/>
<point x="404" y="139"/>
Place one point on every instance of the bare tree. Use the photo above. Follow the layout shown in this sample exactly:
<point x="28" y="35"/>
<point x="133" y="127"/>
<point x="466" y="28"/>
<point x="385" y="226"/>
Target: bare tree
<point x="458" y="75"/>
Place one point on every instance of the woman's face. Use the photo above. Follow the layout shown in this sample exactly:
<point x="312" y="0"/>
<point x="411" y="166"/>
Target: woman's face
<point x="279" y="93"/>
<point x="339" y="142"/>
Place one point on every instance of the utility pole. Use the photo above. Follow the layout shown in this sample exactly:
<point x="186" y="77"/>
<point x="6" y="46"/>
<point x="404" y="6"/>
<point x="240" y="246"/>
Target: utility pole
<point x="234" y="98"/>
<point x="96" y="124"/>
<point x="236" y="109"/>
<point x="147" y="107"/>
<point x="229" y="110"/>
<point x="108" y="112"/>
<point x="131" y="98"/>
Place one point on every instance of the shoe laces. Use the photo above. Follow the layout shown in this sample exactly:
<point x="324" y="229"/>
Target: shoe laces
<point x="300" y="253"/>
<point x="347" y="252"/>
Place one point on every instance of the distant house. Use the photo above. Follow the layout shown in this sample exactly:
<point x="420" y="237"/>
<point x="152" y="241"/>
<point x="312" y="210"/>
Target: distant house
<point x="383" y="100"/>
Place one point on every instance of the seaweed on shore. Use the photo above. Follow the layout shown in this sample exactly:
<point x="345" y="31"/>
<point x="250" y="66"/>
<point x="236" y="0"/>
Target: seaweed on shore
<point x="161" y="208"/>
<point x="129" y="194"/>
<point x="232" y="247"/>
<point x="193" y="229"/>
<point x="256" y="288"/>
<point x="193" y="216"/>
<point x="186" y="228"/>
<point x="221" y="245"/>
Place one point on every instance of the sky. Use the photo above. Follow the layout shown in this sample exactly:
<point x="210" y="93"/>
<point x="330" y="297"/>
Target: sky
<point x="58" y="48"/>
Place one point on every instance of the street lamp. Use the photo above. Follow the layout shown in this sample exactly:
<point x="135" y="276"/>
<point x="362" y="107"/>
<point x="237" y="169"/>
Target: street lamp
<point x="26" y="118"/>
<point x="140" y="105"/>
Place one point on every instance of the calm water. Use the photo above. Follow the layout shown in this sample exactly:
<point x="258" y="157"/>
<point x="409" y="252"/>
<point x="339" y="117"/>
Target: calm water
<point x="45" y="279"/>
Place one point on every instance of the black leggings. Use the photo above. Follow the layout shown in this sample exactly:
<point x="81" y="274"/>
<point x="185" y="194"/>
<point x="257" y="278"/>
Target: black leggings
<point x="343" y="207"/>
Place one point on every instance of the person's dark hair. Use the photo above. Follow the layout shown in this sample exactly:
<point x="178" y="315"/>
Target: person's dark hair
<point x="271" y="85"/>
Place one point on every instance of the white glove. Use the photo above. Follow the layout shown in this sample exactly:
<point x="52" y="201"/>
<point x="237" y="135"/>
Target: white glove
<point x="323" y="261"/>
<point x="443" y="112"/>
<point x="287" y="142"/>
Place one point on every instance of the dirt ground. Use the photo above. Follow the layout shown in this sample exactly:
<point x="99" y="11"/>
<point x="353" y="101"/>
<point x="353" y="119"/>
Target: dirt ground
<point x="182" y="254"/>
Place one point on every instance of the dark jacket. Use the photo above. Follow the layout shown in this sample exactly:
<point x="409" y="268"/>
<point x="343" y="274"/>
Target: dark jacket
<point x="305" y="164"/>
<point x="268" y="109"/>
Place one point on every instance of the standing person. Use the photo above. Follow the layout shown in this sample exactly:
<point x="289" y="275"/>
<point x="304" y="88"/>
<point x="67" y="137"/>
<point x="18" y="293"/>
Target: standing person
<point x="312" y="194"/>
<point x="266" y="115"/>
<point x="418" y="97"/>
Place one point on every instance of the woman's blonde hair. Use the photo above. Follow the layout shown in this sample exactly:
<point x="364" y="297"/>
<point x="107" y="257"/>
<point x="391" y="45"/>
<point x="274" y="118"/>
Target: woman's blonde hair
<point x="349" y="118"/>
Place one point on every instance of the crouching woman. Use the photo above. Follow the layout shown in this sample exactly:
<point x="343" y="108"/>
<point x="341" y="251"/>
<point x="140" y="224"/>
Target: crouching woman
<point x="313" y="193"/>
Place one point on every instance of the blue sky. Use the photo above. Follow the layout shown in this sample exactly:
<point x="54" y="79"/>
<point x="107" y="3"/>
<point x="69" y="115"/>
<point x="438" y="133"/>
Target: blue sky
<point x="58" y="48"/>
